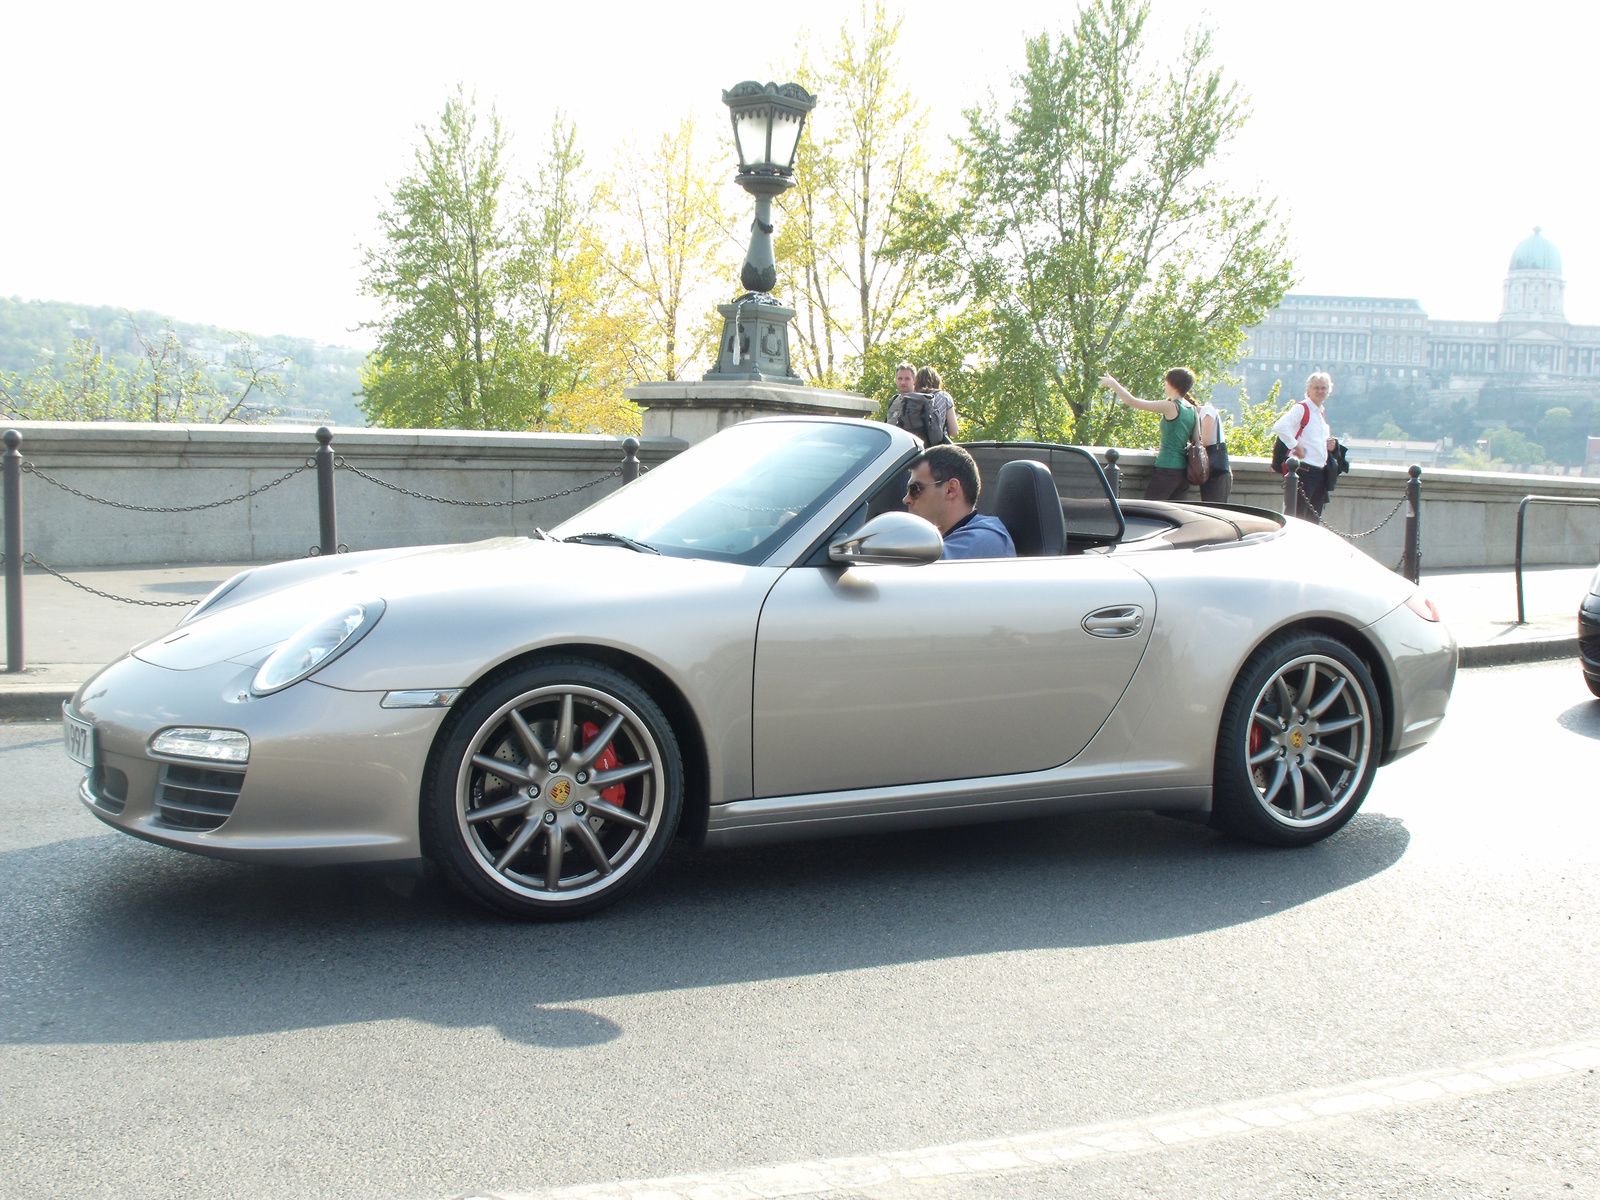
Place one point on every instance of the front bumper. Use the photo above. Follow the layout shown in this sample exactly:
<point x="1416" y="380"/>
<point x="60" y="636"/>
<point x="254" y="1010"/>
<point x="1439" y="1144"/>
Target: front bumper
<point x="1589" y="636"/>
<point x="332" y="776"/>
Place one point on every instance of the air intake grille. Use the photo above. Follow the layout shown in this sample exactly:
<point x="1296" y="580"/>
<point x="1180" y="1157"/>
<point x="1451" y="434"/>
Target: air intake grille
<point x="110" y="789"/>
<point x="198" y="798"/>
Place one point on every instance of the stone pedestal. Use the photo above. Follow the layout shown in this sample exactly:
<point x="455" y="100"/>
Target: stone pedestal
<point x="693" y="410"/>
<point x="755" y="341"/>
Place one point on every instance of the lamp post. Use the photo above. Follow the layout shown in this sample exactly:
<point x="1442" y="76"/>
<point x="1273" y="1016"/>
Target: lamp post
<point x="767" y="123"/>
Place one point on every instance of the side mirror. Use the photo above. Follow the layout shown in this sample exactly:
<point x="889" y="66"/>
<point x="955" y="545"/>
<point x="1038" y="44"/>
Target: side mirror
<point x="890" y="539"/>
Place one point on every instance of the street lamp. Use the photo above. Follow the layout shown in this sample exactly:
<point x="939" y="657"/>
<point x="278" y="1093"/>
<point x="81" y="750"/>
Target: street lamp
<point x="767" y="122"/>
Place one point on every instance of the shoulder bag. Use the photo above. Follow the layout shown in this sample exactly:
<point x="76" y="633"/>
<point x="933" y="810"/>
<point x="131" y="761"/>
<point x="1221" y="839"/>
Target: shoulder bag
<point x="1198" y="469"/>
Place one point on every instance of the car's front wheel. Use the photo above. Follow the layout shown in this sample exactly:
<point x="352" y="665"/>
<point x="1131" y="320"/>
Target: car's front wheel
<point x="1299" y="742"/>
<point x="555" y="791"/>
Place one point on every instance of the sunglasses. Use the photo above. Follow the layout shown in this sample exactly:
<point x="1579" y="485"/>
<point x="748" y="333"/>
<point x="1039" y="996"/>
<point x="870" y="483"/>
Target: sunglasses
<point x="916" y="487"/>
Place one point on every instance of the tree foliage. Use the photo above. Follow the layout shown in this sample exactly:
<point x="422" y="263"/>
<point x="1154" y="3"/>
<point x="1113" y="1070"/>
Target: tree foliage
<point x="579" y="324"/>
<point x="163" y="384"/>
<point x="864" y="152"/>
<point x="455" y="279"/>
<point x="1090" y="234"/>
<point x="672" y="249"/>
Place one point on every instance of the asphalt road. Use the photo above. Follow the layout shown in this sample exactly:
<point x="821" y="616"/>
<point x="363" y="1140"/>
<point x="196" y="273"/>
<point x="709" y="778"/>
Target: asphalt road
<point x="171" y="1026"/>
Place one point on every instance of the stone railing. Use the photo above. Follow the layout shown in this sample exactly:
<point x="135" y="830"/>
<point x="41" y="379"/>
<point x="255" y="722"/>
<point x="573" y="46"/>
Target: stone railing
<point x="1468" y="518"/>
<point x="181" y="466"/>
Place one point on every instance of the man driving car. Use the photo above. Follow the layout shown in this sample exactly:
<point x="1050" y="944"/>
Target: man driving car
<point x="944" y="490"/>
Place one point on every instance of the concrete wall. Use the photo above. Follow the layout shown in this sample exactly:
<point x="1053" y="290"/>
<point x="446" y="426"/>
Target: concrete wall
<point x="1468" y="518"/>
<point x="175" y="465"/>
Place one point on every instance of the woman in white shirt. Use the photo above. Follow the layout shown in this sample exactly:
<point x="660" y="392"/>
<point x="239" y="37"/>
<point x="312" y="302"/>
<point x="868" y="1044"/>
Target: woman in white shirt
<point x="1219" y="484"/>
<point x="1303" y="428"/>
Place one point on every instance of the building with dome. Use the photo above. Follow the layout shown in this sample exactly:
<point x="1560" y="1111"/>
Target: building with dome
<point x="1531" y="351"/>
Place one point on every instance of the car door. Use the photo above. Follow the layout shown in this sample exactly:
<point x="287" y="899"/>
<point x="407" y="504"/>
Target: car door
<point x="881" y="675"/>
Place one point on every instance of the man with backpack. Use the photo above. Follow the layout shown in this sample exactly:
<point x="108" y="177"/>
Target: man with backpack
<point x="930" y="415"/>
<point x="1303" y="434"/>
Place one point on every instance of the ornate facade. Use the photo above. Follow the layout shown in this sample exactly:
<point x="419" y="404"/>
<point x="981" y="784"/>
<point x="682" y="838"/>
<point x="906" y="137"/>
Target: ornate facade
<point x="1365" y="340"/>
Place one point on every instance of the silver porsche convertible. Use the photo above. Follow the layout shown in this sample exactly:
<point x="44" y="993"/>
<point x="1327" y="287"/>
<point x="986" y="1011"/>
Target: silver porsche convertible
<point x="756" y="642"/>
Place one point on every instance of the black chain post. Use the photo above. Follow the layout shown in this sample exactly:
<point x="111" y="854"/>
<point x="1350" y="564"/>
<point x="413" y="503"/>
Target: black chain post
<point x="1411" y="566"/>
<point x="630" y="459"/>
<point x="327" y="514"/>
<point x="1114" y="472"/>
<point x="12" y="486"/>
<point x="1291" y="485"/>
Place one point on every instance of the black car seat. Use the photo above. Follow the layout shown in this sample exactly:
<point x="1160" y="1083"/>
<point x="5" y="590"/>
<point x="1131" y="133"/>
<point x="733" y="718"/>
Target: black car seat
<point x="1028" y="506"/>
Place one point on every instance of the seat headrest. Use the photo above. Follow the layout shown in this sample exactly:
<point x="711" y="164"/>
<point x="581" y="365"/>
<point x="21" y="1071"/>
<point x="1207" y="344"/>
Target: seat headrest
<point x="1029" y="507"/>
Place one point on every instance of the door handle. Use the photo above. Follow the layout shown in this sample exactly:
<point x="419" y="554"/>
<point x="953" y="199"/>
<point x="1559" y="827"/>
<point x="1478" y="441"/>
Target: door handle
<point x="1120" y="620"/>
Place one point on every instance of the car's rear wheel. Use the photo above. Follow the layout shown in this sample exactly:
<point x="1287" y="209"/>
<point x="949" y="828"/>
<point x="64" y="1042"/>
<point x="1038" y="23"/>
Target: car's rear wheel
<point x="555" y="792"/>
<point x="1298" y="745"/>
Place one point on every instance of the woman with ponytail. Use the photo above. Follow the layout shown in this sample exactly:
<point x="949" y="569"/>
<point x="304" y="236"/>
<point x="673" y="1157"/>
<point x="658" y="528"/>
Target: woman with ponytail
<point x="1169" y="480"/>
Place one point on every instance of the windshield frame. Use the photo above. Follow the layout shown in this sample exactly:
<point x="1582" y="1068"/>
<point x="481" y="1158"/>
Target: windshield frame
<point x="792" y="538"/>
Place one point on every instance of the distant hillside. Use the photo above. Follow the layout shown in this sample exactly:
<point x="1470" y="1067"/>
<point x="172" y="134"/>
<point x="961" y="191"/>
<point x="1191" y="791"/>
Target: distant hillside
<point x="317" y="376"/>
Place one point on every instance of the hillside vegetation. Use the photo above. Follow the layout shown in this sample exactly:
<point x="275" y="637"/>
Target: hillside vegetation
<point x="44" y="336"/>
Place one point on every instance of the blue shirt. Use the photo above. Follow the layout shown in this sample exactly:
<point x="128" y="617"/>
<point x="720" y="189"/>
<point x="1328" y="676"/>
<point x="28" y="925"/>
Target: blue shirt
<point x="977" y="536"/>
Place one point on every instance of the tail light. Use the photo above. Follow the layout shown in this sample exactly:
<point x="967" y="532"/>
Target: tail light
<point x="1423" y="607"/>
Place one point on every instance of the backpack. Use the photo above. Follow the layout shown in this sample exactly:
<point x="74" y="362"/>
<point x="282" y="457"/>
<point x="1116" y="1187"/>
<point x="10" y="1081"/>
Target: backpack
<point x="1280" y="452"/>
<point x="917" y="416"/>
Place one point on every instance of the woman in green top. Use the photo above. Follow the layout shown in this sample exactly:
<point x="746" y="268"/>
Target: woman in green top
<point x="1170" y="479"/>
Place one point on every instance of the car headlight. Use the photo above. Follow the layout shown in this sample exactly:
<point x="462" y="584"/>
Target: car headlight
<point x="208" y="745"/>
<point x="315" y="645"/>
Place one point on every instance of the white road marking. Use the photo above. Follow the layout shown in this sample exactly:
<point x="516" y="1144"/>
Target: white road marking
<point x="1060" y="1146"/>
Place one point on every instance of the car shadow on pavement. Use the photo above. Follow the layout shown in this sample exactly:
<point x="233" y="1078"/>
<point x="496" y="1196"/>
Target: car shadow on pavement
<point x="1582" y="719"/>
<point x="109" y="940"/>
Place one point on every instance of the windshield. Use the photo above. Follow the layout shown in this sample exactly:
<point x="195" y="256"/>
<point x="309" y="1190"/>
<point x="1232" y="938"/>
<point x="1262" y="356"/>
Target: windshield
<point x="733" y="496"/>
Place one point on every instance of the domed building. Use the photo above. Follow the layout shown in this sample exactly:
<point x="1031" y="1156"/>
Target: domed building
<point x="1534" y="289"/>
<point x="1365" y="340"/>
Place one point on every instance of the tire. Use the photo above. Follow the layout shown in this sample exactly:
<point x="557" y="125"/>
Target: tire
<point x="1292" y="783"/>
<point x="1594" y="683"/>
<point x="584" y="806"/>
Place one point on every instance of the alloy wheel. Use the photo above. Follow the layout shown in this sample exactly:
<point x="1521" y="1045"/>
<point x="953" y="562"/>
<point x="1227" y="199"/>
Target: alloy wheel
<point x="560" y="792"/>
<point x="1310" y="736"/>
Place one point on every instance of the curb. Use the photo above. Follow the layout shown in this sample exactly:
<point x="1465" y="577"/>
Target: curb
<point x="33" y="705"/>
<point x="1506" y="653"/>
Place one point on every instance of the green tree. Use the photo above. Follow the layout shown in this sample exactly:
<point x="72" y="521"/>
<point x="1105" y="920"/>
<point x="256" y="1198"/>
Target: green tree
<point x="1091" y="234"/>
<point x="673" y="248"/>
<point x="455" y="346"/>
<point x="864" y="151"/>
<point x="163" y="384"/>
<point x="579" y="325"/>
<point x="1561" y="435"/>
<point x="1512" y="446"/>
<point x="1251" y="434"/>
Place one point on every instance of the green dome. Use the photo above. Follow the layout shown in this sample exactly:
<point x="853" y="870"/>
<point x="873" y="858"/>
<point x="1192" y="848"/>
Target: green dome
<point x="1536" y="253"/>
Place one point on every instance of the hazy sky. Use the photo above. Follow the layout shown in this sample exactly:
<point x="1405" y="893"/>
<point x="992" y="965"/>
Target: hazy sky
<point x="222" y="163"/>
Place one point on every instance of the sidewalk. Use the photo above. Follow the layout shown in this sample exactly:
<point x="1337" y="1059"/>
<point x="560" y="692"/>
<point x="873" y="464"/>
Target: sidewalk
<point x="71" y="634"/>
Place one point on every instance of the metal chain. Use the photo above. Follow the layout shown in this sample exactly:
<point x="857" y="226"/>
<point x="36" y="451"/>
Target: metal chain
<point x="394" y="487"/>
<point x="28" y="557"/>
<point x="66" y="487"/>
<point x="1351" y="537"/>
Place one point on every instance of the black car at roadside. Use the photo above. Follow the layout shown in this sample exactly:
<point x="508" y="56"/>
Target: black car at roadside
<point x="1589" y="634"/>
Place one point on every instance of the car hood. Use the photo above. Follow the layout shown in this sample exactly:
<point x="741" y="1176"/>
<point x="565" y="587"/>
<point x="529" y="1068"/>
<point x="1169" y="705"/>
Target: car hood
<point x="448" y="583"/>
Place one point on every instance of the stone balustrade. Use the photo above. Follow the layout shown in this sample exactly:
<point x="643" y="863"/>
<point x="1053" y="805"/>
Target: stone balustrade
<point x="1468" y="518"/>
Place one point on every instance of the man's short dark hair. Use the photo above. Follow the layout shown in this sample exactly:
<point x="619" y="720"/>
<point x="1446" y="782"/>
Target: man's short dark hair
<point x="951" y="462"/>
<point x="905" y="366"/>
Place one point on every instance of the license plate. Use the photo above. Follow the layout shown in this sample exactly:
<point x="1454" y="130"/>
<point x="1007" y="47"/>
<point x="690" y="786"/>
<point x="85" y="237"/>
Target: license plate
<point x="79" y="737"/>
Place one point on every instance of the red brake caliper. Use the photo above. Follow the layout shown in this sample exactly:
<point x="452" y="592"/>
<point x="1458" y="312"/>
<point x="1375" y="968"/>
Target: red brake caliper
<point x="1255" y="739"/>
<point x="616" y="793"/>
